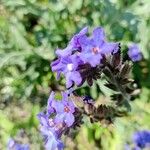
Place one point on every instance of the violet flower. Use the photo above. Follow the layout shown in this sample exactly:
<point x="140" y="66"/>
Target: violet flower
<point x="93" y="48"/>
<point x="51" y="133"/>
<point x="134" y="53"/>
<point x="68" y="66"/>
<point x="82" y="51"/>
<point x="58" y="117"/>
<point x="73" y="44"/>
<point x="142" y="139"/>
<point x="65" y="109"/>
<point x="13" y="145"/>
<point x="52" y="143"/>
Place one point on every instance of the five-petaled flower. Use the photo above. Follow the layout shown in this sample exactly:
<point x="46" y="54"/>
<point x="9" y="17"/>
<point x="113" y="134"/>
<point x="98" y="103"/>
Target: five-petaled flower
<point x="64" y="109"/>
<point x="94" y="47"/>
<point x="68" y="66"/>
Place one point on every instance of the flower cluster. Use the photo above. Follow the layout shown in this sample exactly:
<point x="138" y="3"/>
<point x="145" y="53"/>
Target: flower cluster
<point x="58" y="118"/>
<point x="13" y="145"/>
<point x="82" y="53"/>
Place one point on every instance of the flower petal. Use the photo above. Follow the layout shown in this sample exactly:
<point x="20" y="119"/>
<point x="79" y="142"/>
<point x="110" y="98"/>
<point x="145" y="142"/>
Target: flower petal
<point x="65" y="52"/>
<point x="69" y="82"/>
<point x="109" y="47"/>
<point x="59" y="118"/>
<point x="83" y="40"/>
<point x="58" y="106"/>
<point x="51" y="98"/>
<point x="43" y="119"/>
<point x="76" y="77"/>
<point x="69" y="119"/>
<point x="98" y="35"/>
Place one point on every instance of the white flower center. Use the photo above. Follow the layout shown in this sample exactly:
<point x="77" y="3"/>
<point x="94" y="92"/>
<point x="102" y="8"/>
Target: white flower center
<point x="70" y="67"/>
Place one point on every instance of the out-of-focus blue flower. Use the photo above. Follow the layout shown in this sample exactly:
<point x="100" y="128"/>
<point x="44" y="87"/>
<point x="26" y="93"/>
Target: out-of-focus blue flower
<point x="13" y="145"/>
<point x="134" y="53"/>
<point x="127" y="147"/>
<point x="136" y="148"/>
<point x="64" y="109"/>
<point x="68" y="66"/>
<point x="142" y="139"/>
<point x="73" y="45"/>
<point x="93" y="48"/>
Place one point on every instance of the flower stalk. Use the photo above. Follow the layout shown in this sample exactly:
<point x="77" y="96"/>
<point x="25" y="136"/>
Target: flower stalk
<point x="84" y="60"/>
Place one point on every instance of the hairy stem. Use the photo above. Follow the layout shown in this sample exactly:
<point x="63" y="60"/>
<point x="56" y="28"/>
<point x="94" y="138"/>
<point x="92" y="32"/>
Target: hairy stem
<point x="120" y="88"/>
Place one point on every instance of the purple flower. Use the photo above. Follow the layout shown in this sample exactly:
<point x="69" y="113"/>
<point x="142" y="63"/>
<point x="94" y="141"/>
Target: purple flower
<point x="13" y="145"/>
<point x="51" y="139"/>
<point x="134" y="53"/>
<point x="93" y="48"/>
<point x="64" y="109"/>
<point x="56" y="120"/>
<point x="83" y="51"/>
<point x="73" y="45"/>
<point x="53" y="65"/>
<point x="142" y="139"/>
<point x="51" y="132"/>
<point x="68" y="66"/>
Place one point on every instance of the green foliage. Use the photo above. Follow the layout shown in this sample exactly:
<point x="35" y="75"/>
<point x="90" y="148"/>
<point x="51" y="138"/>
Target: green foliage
<point x="31" y="30"/>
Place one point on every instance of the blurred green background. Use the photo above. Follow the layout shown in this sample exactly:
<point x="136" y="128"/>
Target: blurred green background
<point x="31" y="30"/>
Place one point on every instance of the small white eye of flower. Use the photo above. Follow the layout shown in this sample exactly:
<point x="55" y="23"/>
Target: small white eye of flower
<point x="70" y="67"/>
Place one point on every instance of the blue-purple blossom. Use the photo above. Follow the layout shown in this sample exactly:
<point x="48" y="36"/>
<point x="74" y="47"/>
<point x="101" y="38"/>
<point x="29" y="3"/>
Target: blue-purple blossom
<point x="68" y="66"/>
<point x="82" y="51"/>
<point x="58" y="117"/>
<point x="64" y="109"/>
<point x="93" y="48"/>
<point x="13" y="145"/>
<point x="142" y="139"/>
<point x="51" y="133"/>
<point x="134" y="53"/>
<point x="51" y="142"/>
<point x="73" y="45"/>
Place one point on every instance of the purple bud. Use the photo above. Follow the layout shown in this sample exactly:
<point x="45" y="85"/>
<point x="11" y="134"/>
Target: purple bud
<point x="134" y="53"/>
